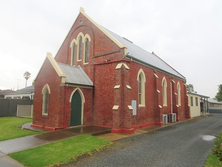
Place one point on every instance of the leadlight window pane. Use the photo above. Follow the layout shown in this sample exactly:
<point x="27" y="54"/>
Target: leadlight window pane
<point x="140" y="82"/>
<point x="87" y="51"/>
<point x="73" y="54"/>
<point x="80" y="48"/>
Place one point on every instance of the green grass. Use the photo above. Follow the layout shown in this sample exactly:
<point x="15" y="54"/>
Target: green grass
<point x="213" y="161"/>
<point x="60" y="152"/>
<point x="10" y="128"/>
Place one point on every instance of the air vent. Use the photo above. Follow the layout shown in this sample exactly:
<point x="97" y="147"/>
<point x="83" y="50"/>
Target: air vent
<point x="164" y="119"/>
<point x="172" y="117"/>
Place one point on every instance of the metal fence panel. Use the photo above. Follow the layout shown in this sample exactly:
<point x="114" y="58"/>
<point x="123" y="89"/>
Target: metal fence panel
<point x="8" y="107"/>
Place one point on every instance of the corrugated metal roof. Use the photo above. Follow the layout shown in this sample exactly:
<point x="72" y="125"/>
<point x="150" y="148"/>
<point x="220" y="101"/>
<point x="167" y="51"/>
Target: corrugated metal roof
<point x="139" y="54"/>
<point x="75" y="75"/>
<point x="27" y="90"/>
<point x="193" y="93"/>
<point x="214" y="101"/>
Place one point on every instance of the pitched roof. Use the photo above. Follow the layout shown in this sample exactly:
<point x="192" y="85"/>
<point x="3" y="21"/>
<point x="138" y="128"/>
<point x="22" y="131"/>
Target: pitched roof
<point x="193" y="93"/>
<point x="27" y="90"/>
<point x="75" y="75"/>
<point x="214" y="101"/>
<point x="4" y="92"/>
<point x="135" y="52"/>
<point x="139" y="54"/>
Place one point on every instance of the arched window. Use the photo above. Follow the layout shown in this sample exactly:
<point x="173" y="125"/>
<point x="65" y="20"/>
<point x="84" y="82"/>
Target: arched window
<point x="80" y="48"/>
<point x="86" y="59"/>
<point x="73" y="54"/>
<point x="45" y="100"/>
<point x="178" y="94"/>
<point x="164" y="91"/>
<point x="141" y="87"/>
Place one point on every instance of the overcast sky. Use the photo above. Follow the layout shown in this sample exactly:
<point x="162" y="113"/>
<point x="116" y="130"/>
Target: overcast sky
<point x="187" y="34"/>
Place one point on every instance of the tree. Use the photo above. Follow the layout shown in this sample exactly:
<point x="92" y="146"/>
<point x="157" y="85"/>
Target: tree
<point x="219" y="94"/>
<point x="190" y="88"/>
<point x="27" y="75"/>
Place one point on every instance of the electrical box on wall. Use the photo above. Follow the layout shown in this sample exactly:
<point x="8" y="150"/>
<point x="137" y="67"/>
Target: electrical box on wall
<point x="133" y="104"/>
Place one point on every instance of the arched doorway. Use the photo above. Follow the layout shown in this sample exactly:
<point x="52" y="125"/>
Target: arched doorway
<point x="76" y="109"/>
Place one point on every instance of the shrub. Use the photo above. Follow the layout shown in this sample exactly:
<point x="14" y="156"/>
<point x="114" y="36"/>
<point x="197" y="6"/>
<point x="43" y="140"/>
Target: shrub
<point x="217" y="150"/>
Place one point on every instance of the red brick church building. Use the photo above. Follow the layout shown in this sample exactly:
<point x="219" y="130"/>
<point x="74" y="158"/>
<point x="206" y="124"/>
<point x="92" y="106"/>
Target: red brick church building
<point x="99" y="78"/>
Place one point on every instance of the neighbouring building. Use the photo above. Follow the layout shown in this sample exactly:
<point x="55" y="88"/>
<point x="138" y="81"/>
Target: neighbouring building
<point x="25" y="93"/>
<point x="214" y="106"/>
<point x="5" y="92"/>
<point x="99" y="78"/>
<point x="198" y="104"/>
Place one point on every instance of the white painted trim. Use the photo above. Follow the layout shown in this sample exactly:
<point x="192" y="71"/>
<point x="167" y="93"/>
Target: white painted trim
<point x="103" y="30"/>
<point x="128" y="87"/>
<point x="115" y="107"/>
<point x="141" y="71"/>
<point x="130" y="107"/>
<point x="46" y="86"/>
<point x="118" y="66"/>
<point x="116" y="86"/>
<point x="126" y="66"/>
<point x="155" y="75"/>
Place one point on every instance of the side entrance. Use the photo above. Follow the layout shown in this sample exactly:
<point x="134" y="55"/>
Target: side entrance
<point x="76" y="109"/>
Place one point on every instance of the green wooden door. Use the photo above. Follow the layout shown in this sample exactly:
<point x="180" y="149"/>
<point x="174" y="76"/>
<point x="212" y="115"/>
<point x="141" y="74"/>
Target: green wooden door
<point x="76" y="109"/>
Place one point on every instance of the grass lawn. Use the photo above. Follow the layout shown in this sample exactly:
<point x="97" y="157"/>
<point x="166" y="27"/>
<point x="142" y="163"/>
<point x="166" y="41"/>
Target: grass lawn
<point x="60" y="152"/>
<point x="10" y="128"/>
<point x="213" y="161"/>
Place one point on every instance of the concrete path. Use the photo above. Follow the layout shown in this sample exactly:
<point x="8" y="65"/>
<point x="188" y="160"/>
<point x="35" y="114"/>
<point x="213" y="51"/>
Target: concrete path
<point x="181" y="145"/>
<point x="23" y="143"/>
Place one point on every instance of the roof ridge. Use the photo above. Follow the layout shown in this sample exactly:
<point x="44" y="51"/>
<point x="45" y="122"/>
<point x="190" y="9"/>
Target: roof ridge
<point x="167" y="64"/>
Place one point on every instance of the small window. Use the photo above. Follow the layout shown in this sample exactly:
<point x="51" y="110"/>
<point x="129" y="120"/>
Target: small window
<point x="191" y="101"/>
<point x="196" y="101"/>
<point x="80" y="48"/>
<point x="45" y="100"/>
<point x="141" y="88"/>
<point x="164" y="86"/>
<point x="73" y="54"/>
<point x="87" y="50"/>
<point x="178" y="94"/>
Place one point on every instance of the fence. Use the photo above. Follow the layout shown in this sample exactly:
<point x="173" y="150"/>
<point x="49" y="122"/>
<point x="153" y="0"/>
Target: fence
<point x="25" y="111"/>
<point x="8" y="107"/>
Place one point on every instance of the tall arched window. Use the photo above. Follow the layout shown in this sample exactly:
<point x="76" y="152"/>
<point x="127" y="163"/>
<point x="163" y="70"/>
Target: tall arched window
<point x="80" y="48"/>
<point x="178" y="94"/>
<point x="45" y="100"/>
<point x="86" y="59"/>
<point x="141" y="87"/>
<point x="164" y="91"/>
<point x="73" y="54"/>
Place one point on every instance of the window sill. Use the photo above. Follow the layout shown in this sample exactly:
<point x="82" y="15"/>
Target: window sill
<point x="142" y="105"/>
<point x="164" y="105"/>
<point x="44" y="116"/>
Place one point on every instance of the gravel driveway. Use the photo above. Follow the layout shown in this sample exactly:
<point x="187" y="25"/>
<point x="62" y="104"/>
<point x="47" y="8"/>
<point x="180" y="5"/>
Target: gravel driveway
<point x="180" y="145"/>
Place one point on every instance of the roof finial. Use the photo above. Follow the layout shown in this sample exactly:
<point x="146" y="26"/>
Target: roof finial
<point x="82" y="10"/>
